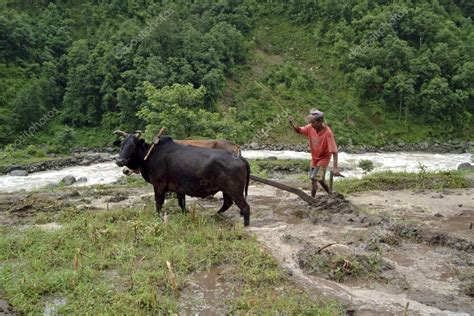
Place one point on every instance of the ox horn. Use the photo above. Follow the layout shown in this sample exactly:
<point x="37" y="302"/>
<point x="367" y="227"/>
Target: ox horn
<point x="121" y="133"/>
<point x="138" y="133"/>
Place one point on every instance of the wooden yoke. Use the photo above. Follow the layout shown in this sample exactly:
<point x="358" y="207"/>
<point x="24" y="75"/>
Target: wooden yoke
<point x="156" y="140"/>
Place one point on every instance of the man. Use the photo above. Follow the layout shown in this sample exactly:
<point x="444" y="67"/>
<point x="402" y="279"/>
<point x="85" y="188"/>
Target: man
<point x="322" y="146"/>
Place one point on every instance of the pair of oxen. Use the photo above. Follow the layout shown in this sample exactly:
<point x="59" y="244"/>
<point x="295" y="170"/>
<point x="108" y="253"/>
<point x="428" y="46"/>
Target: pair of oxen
<point x="197" y="168"/>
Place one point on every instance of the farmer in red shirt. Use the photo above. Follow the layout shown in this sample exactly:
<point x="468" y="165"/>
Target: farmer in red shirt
<point x="322" y="146"/>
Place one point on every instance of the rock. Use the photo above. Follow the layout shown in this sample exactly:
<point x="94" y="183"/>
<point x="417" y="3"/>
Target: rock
<point x="82" y="180"/>
<point x="465" y="166"/>
<point x="470" y="178"/>
<point x="14" y="167"/>
<point x="51" y="186"/>
<point x="272" y="158"/>
<point x="253" y="145"/>
<point x="19" y="173"/>
<point x="68" y="180"/>
<point x="85" y="162"/>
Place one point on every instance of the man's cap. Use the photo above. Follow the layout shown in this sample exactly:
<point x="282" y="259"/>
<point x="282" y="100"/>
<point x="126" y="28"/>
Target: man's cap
<point x="314" y="114"/>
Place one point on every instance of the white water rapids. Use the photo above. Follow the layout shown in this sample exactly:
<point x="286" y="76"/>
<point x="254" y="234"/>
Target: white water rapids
<point x="108" y="172"/>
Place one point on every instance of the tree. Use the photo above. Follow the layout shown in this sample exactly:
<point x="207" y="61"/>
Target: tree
<point x="178" y="108"/>
<point x="82" y="97"/>
<point x="401" y="88"/>
<point x="368" y="81"/>
<point x="439" y="101"/>
<point x="28" y="105"/>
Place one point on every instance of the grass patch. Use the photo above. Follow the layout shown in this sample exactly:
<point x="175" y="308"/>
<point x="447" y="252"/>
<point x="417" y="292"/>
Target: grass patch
<point x="403" y="180"/>
<point x="341" y="268"/>
<point x="115" y="263"/>
<point x="23" y="159"/>
<point x="134" y="181"/>
<point x="263" y="167"/>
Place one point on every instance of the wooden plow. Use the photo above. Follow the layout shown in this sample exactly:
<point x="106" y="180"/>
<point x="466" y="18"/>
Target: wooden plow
<point x="305" y="197"/>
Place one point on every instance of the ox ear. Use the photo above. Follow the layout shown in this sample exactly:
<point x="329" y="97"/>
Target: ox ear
<point x="117" y="143"/>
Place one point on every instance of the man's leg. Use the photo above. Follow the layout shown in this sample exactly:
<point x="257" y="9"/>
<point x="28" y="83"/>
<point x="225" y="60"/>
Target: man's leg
<point x="313" y="175"/>
<point x="314" y="188"/>
<point x="324" y="185"/>
<point x="317" y="175"/>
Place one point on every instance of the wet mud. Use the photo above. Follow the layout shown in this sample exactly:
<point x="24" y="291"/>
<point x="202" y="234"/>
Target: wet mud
<point x="386" y="249"/>
<point x="5" y="308"/>
<point x="206" y="292"/>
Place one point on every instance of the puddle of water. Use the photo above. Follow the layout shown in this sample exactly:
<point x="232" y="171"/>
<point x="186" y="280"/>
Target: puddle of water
<point x="205" y="294"/>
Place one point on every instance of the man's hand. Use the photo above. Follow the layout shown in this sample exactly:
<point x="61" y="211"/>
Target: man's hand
<point x="337" y="172"/>
<point x="291" y="120"/>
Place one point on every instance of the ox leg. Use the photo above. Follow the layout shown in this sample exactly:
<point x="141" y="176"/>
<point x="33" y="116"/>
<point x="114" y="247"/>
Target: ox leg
<point x="244" y="208"/>
<point x="227" y="203"/>
<point x="159" y="198"/>
<point x="182" y="202"/>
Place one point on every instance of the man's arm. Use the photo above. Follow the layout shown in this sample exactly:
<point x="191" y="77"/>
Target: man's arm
<point x="333" y="149"/>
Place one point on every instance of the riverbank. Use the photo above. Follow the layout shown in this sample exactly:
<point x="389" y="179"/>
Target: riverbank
<point x="455" y="147"/>
<point x="55" y="163"/>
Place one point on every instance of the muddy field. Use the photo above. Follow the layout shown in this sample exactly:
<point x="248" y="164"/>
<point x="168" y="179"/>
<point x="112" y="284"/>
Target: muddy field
<point x="378" y="253"/>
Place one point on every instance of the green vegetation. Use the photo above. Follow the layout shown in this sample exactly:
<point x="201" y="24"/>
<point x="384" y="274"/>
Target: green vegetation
<point x="114" y="262"/>
<point x="341" y="268"/>
<point x="263" y="166"/>
<point x="403" y="181"/>
<point x="366" y="165"/>
<point x="383" y="73"/>
<point x="28" y="155"/>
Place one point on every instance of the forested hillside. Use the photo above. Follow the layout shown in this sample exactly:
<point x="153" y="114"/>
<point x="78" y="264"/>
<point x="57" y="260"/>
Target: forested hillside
<point x="384" y="71"/>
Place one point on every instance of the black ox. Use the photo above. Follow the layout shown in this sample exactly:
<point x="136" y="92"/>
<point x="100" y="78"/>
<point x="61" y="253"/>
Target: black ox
<point x="188" y="170"/>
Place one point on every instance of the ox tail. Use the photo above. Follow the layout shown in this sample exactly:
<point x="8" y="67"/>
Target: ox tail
<point x="248" y="177"/>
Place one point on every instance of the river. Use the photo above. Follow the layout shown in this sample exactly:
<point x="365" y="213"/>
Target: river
<point x="103" y="173"/>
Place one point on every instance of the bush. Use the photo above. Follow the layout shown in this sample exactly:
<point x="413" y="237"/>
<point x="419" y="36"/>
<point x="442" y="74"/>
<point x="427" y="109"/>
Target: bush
<point x="366" y="165"/>
<point x="33" y="150"/>
<point x="66" y="138"/>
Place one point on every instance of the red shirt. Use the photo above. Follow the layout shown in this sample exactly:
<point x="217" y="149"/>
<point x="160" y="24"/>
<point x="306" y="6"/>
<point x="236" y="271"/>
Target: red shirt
<point x="322" y="145"/>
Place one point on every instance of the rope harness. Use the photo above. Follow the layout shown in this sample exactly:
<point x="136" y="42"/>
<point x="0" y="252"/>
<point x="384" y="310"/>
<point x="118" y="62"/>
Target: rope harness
<point x="155" y="142"/>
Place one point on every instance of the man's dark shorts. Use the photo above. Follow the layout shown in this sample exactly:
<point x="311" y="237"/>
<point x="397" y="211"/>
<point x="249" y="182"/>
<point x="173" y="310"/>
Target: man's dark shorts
<point x="317" y="173"/>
